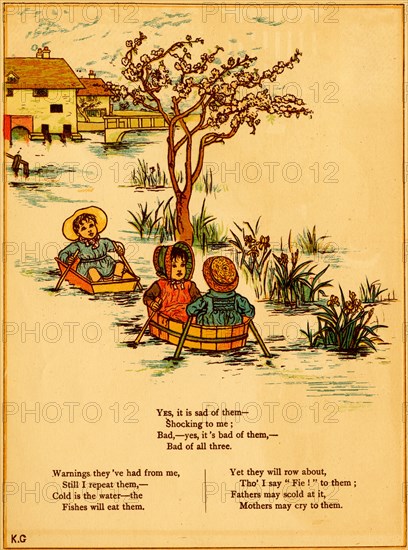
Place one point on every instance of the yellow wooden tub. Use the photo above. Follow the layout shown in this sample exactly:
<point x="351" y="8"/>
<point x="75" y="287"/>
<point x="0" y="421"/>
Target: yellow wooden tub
<point x="199" y="337"/>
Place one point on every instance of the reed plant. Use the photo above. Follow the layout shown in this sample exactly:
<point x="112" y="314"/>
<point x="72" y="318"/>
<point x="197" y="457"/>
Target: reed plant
<point x="154" y="177"/>
<point x="292" y="280"/>
<point x="370" y="293"/>
<point x="312" y="289"/>
<point x="272" y="276"/>
<point x="310" y="243"/>
<point x="206" y="230"/>
<point x="166" y="230"/>
<point x="253" y="257"/>
<point x="206" y="184"/>
<point x="145" y="221"/>
<point x="297" y="283"/>
<point x="312" y="337"/>
<point x="344" y="325"/>
<point x="148" y="177"/>
<point x="159" y="223"/>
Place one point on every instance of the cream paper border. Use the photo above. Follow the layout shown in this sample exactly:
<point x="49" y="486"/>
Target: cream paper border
<point x="217" y="536"/>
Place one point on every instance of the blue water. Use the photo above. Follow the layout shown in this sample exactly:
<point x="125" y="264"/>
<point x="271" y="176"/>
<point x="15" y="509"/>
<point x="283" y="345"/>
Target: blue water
<point x="90" y="172"/>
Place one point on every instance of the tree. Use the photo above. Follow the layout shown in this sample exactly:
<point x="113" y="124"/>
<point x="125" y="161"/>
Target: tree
<point x="208" y="100"/>
<point x="87" y="103"/>
<point x="124" y="105"/>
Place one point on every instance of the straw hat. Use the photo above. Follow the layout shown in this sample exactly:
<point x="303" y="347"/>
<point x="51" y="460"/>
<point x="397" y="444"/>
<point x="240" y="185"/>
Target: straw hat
<point x="68" y="225"/>
<point x="220" y="274"/>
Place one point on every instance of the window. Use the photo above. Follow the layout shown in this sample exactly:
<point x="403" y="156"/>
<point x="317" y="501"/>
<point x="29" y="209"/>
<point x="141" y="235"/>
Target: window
<point x="96" y="112"/>
<point x="11" y="78"/>
<point x="55" y="108"/>
<point x="10" y="92"/>
<point x="40" y="92"/>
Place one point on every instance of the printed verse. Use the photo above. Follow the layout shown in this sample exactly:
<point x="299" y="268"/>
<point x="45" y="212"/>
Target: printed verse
<point x="280" y="488"/>
<point x="105" y="489"/>
<point x="204" y="429"/>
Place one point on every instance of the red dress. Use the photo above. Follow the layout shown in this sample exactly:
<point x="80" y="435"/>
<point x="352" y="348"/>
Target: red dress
<point x="175" y="298"/>
<point x="175" y="295"/>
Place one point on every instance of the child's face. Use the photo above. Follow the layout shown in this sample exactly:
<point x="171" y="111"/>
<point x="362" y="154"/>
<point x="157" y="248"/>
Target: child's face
<point x="178" y="269"/>
<point x="88" y="229"/>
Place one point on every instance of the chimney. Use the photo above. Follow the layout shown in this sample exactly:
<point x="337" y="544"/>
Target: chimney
<point x="91" y="74"/>
<point x="46" y="53"/>
<point x="39" y="53"/>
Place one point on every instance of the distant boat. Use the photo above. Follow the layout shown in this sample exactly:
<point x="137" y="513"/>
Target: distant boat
<point x="78" y="280"/>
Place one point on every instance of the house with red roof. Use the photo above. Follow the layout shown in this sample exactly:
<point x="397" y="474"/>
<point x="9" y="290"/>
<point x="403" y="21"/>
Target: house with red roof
<point x="41" y="96"/>
<point x="93" y="103"/>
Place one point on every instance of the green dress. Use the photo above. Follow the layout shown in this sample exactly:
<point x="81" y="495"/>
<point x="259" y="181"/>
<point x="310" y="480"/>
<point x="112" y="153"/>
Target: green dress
<point x="91" y="257"/>
<point x="221" y="308"/>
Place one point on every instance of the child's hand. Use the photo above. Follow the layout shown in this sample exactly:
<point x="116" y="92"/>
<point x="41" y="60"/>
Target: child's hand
<point x="156" y="304"/>
<point x="70" y="259"/>
<point x="120" y="249"/>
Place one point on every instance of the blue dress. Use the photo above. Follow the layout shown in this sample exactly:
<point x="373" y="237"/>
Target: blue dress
<point x="221" y="308"/>
<point x="91" y="257"/>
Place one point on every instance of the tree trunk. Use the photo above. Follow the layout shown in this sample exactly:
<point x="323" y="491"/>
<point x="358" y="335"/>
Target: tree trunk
<point x="83" y="112"/>
<point x="184" y="227"/>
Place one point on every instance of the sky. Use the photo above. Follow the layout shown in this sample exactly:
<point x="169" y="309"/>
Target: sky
<point x="93" y="36"/>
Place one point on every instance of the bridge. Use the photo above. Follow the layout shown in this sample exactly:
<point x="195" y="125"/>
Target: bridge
<point x="116" y="126"/>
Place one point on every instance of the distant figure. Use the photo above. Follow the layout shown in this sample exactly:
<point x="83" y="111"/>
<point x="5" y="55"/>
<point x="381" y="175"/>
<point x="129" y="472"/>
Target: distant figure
<point x="84" y="228"/>
<point x="221" y="306"/>
<point x="174" y="290"/>
<point x="16" y="163"/>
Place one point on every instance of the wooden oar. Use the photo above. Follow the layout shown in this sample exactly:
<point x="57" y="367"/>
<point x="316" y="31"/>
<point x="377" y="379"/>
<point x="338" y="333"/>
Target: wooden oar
<point x="258" y="338"/>
<point x="127" y="265"/>
<point x="62" y="278"/>
<point x="141" y="333"/>
<point x="182" y="338"/>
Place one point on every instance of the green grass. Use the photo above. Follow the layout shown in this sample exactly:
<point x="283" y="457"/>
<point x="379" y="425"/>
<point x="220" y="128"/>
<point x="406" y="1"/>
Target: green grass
<point x="311" y="336"/>
<point x="145" y="221"/>
<point x="145" y="177"/>
<point x="154" y="177"/>
<point x="297" y="283"/>
<point x="370" y="293"/>
<point x="310" y="243"/>
<point x="253" y="257"/>
<point x="343" y="325"/>
<point x="274" y="277"/>
<point x="206" y="229"/>
<point x="167" y="226"/>
<point x="313" y="289"/>
<point x="205" y="184"/>
<point x="159" y="223"/>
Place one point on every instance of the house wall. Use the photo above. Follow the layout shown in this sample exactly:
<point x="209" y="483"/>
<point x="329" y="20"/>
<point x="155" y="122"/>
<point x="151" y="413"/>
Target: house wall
<point x="91" y="126"/>
<point x="7" y="127"/>
<point x="24" y="103"/>
<point x="104" y="104"/>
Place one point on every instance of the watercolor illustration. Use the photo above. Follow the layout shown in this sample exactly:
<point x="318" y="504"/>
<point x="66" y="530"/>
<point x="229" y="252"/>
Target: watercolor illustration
<point x="160" y="109"/>
<point x="203" y="240"/>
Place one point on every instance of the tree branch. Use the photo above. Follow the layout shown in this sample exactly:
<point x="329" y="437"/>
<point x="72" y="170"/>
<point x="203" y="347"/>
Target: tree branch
<point x="206" y="140"/>
<point x="157" y="101"/>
